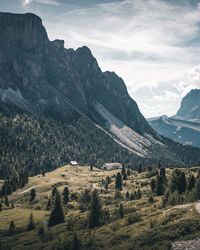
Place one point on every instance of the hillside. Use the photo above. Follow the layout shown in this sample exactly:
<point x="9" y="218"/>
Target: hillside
<point x="44" y="80"/>
<point x="182" y="131"/>
<point x="144" y="224"/>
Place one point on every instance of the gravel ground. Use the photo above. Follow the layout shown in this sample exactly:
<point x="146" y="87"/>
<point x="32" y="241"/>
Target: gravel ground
<point x="186" y="245"/>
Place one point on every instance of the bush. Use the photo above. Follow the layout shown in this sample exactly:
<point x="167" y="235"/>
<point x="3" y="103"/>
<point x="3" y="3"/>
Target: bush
<point x="133" y="218"/>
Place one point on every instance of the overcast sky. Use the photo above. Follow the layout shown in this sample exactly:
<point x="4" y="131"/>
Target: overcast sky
<point x="154" y="45"/>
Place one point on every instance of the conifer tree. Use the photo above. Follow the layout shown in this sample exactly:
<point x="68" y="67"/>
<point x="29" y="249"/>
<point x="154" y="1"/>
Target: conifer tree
<point x="159" y="186"/>
<point x="121" y="211"/>
<point x="139" y="194"/>
<point x="31" y="224"/>
<point x="125" y="176"/>
<point x="95" y="211"/>
<point x="49" y="204"/>
<point x="6" y="201"/>
<point x="106" y="186"/>
<point x="153" y="185"/>
<point x="178" y="181"/>
<point x="76" y="243"/>
<point x="57" y="215"/>
<point x="32" y="195"/>
<point x="118" y="183"/>
<point x="127" y="195"/>
<point x="11" y="228"/>
<point x="0" y="207"/>
<point x="140" y="169"/>
<point x="54" y="191"/>
<point x="128" y="172"/>
<point x="66" y="195"/>
<point x="191" y="182"/>
<point x="123" y="171"/>
<point x="163" y="173"/>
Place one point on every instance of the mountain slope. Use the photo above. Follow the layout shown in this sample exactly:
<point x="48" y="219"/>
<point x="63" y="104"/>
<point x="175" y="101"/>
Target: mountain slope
<point x="42" y="77"/>
<point x="182" y="131"/>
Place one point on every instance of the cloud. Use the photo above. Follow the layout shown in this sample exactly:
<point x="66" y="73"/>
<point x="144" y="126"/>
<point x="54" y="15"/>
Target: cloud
<point x="26" y="2"/>
<point x="49" y="2"/>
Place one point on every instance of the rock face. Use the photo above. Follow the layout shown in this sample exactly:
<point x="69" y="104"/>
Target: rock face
<point x="190" y="106"/>
<point x="45" y="73"/>
<point x="43" y="77"/>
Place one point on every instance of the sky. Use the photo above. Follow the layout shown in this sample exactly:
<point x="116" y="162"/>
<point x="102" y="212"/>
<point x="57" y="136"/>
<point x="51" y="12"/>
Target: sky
<point x="154" y="45"/>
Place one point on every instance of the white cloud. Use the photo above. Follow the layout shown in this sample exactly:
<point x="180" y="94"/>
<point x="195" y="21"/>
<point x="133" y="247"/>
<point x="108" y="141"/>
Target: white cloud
<point x="26" y="2"/>
<point x="49" y="2"/>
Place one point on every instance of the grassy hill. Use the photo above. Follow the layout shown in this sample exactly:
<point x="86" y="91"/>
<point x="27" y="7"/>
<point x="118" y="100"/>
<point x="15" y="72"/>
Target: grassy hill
<point x="145" y="225"/>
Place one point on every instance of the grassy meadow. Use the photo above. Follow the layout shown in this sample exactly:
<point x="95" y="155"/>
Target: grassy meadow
<point x="145" y="224"/>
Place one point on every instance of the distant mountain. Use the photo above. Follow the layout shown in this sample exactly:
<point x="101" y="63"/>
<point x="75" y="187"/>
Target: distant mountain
<point x="190" y="106"/>
<point x="42" y="77"/>
<point x="184" y="127"/>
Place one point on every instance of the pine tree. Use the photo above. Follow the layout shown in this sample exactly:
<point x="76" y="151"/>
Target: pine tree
<point x="57" y="215"/>
<point x="159" y="186"/>
<point x="66" y="195"/>
<point x="178" y="181"/>
<point x="191" y="182"/>
<point x="139" y="194"/>
<point x="54" y="191"/>
<point x="153" y="185"/>
<point x="127" y="195"/>
<point x="163" y="173"/>
<point x="95" y="210"/>
<point x="125" y="176"/>
<point x="11" y="228"/>
<point x="121" y="211"/>
<point x="140" y="169"/>
<point x="123" y="171"/>
<point x="31" y="224"/>
<point x="128" y="172"/>
<point x="6" y="201"/>
<point x="118" y="183"/>
<point x="49" y="204"/>
<point x="151" y="200"/>
<point x="76" y="243"/>
<point x="41" y="231"/>
<point x="32" y="195"/>
<point x="0" y="207"/>
<point x="106" y="186"/>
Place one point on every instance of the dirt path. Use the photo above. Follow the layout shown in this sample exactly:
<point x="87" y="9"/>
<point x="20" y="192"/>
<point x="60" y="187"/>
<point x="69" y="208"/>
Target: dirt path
<point x="25" y="191"/>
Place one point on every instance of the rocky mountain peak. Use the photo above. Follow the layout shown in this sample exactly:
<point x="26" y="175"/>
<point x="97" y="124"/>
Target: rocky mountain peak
<point x="26" y="30"/>
<point x="190" y="106"/>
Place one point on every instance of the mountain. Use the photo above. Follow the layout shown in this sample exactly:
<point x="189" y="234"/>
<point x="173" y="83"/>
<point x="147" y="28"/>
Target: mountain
<point x="42" y="78"/>
<point x="184" y="127"/>
<point x="190" y="106"/>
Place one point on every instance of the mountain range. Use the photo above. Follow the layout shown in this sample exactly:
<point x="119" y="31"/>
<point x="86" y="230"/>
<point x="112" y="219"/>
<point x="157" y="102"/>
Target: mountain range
<point x="42" y="78"/>
<point x="184" y="127"/>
